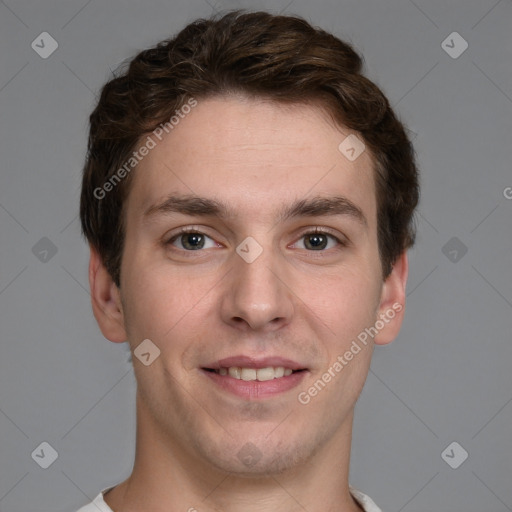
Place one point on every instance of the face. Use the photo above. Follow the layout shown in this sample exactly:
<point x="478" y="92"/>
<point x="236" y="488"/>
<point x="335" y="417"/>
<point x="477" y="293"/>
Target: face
<point x="272" y="276"/>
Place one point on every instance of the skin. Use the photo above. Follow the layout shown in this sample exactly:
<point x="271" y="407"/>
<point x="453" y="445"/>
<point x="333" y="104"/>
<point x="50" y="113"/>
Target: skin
<point x="200" y="306"/>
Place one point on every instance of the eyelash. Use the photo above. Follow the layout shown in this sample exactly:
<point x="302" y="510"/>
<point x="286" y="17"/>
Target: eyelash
<point x="315" y="231"/>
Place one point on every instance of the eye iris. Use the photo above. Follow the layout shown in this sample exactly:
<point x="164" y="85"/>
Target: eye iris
<point x="192" y="241"/>
<point x="316" y="241"/>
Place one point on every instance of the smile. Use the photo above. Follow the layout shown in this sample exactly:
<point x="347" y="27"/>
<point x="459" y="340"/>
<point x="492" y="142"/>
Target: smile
<point x="259" y="374"/>
<point x="255" y="383"/>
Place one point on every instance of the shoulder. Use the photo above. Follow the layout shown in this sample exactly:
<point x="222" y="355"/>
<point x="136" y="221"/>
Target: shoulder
<point x="97" y="505"/>
<point x="365" y="501"/>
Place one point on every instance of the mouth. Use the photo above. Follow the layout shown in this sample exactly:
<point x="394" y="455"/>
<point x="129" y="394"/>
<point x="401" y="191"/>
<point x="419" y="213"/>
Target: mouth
<point x="254" y="374"/>
<point x="251" y="378"/>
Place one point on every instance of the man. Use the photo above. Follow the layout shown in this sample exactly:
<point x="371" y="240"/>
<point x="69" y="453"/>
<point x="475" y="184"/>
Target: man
<point x="248" y="198"/>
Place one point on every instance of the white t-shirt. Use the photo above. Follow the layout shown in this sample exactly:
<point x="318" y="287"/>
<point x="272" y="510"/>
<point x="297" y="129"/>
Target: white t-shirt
<point x="99" y="505"/>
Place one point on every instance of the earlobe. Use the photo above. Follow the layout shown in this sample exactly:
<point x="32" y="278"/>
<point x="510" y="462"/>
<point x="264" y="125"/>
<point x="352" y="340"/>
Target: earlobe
<point x="106" y="300"/>
<point x="392" y="305"/>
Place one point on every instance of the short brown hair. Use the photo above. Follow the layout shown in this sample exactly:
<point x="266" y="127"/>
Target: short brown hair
<point x="282" y="58"/>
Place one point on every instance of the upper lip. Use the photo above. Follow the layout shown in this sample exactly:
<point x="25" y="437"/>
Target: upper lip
<point x="255" y="362"/>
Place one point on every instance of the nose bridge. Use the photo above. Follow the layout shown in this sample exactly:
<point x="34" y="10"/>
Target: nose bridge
<point x="256" y="295"/>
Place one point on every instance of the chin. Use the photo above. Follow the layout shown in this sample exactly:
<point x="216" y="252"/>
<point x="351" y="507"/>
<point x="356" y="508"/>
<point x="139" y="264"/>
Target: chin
<point x="262" y="458"/>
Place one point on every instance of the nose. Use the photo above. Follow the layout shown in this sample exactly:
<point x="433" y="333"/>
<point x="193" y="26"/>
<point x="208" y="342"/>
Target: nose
<point x="256" y="295"/>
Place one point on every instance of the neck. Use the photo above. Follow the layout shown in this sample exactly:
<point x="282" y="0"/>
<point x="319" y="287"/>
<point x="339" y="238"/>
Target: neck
<point x="168" y="477"/>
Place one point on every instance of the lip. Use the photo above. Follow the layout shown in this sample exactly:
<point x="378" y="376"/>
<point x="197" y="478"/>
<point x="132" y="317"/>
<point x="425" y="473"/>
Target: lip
<point x="254" y="390"/>
<point x="256" y="363"/>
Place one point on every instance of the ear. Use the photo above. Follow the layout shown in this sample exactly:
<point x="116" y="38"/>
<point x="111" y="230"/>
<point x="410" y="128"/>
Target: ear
<point x="106" y="300"/>
<point x="392" y="302"/>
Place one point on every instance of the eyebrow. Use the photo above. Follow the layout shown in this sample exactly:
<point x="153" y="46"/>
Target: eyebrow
<point x="206" y="207"/>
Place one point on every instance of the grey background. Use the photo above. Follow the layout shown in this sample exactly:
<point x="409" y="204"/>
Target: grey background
<point x="446" y="378"/>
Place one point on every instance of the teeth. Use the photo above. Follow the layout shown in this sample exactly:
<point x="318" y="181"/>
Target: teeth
<point x="235" y="372"/>
<point x="248" y="374"/>
<point x="260" y="374"/>
<point x="265" y="374"/>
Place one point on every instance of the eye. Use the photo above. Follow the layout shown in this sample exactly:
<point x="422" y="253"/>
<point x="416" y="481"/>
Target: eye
<point x="319" y="240"/>
<point x="191" y="240"/>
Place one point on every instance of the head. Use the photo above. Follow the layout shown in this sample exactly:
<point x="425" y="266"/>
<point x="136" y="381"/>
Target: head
<point x="247" y="112"/>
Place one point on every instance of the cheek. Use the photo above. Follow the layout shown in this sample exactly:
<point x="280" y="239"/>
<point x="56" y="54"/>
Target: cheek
<point x="346" y="300"/>
<point x="348" y="308"/>
<point x="153" y="305"/>
<point x="168" y="308"/>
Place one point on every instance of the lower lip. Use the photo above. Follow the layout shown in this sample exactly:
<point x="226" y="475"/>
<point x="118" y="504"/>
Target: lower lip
<point x="254" y="389"/>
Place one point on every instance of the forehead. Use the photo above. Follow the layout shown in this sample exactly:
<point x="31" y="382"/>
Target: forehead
<point x="253" y="155"/>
